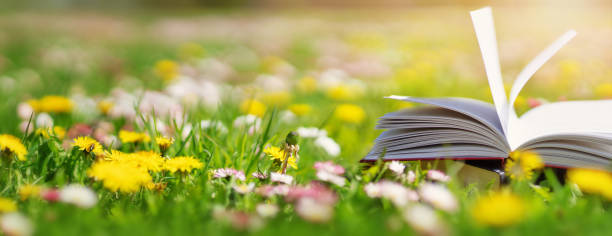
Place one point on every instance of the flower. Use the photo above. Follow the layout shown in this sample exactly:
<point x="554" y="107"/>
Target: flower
<point x="7" y="205"/>
<point x="244" y="188"/>
<point x="349" y="113"/>
<point x="133" y="137"/>
<point x="266" y="210"/>
<point x="437" y="175"/>
<point x="424" y="220"/>
<point x="78" y="195"/>
<point x="300" y="109"/>
<point x="251" y="122"/>
<point x="105" y="107"/>
<point x="182" y="164"/>
<point x="12" y="145"/>
<point x="164" y="143"/>
<point x="44" y="120"/>
<point x="499" y="209"/>
<point x="88" y="145"/>
<point x="330" y="167"/>
<point x="228" y="172"/>
<point x="271" y="190"/>
<point x="278" y="155"/>
<point x="397" y="167"/>
<point x="253" y="107"/>
<point x="592" y="181"/>
<point x="397" y="193"/>
<point x="314" y="211"/>
<point x="330" y="177"/>
<point x="215" y="125"/>
<point x="28" y="191"/>
<point x="438" y="196"/>
<point x="148" y="160"/>
<point x="56" y="131"/>
<point x="15" y="224"/>
<point x="281" y="178"/>
<point x="51" y="195"/>
<point x="521" y="164"/>
<point x="329" y="145"/>
<point x="52" y="103"/>
<point x="410" y="176"/>
<point x="120" y="176"/>
<point x="311" y="132"/>
<point x="307" y="84"/>
<point x="166" y="69"/>
<point x="259" y="175"/>
<point x="24" y="110"/>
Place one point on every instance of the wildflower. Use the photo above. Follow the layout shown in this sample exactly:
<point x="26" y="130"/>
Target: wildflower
<point x="314" y="190"/>
<point x="313" y="211"/>
<point x="182" y="164"/>
<point x="329" y="145"/>
<point x="311" y="132"/>
<point x="300" y="109"/>
<point x="271" y="190"/>
<point x="51" y="195"/>
<point x="133" y="137"/>
<point x="592" y="181"/>
<point x="28" y="191"/>
<point x="281" y="178"/>
<point x="244" y="188"/>
<point x="251" y="122"/>
<point x="330" y="177"/>
<point x="15" y="224"/>
<point x="395" y="192"/>
<point x="227" y="173"/>
<point x="120" y="176"/>
<point x="157" y="186"/>
<point x="148" y="160"/>
<point x="438" y="196"/>
<point x="276" y="99"/>
<point x="7" y="205"/>
<point x="307" y="84"/>
<point x="10" y="144"/>
<point x="349" y="113"/>
<point x="78" y="195"/>
<point x="24" y="110"/>
<point x="259" y="175"/>
<point x="438" y="176"/>
<point x="88" y="145"/>
<point x="44" y="120"/>
<point x="164" y="143"/>
<point x="166" y="69"/>
<point x="410" y="176"/>
<point x="266" y="210"/>
<point x="52" y="103"/>
<point x="521" y="164"/>
<point x="604" y="90"/>
<point x="216" y="125"/>
<point x="397" y="167"/>
<point x="105" y="107"/>
<point x="191" y="51"/>
<point x="278" y="156"/>
<point x="499" y="209"/>
<point x="56" y="131"/>
<point x="424" y="220"/>
<point x="330" y="167"/>
<point x="253" y="107"/>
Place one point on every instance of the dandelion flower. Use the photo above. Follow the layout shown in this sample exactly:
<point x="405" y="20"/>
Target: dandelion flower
<point x="120" y="176"/>
<point x="166" y="69"/>
<point x="278" y="155"/>
<point x="300" y="109"/>
<point x="521" y="164"/>
<point x="499" y="209"/>
<point x="28" y="191"/>
<point x="88" y="145"/>
<point x="56" y="131"/>
<point x="10" y="144"/>
<point x="253" y="107"/>
<point x="350" y="113"/>
<point x="7" y="205"/>
<point x="52" y="103"/>
<point x="105" y="107"/>
<point x="307" y="84"/>
<point x="592" y="181"/>
<point x="133" y="137"/>
<point x="164" y="143"/>
<point x="182" y="164"/>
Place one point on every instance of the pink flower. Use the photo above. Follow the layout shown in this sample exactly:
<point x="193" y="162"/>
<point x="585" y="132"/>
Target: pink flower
<point x="329" y="167"/>
<point x="331" y="178"/>
<point x="437" y="175"/>
<point x="259" y="175"/>
<point x="281" y="178"/>
<point x="438" y="196"/>
<point x="314" y="190"/>
<point x="272" y="190"/>
<point x="410" y="176"/>
<point x="395" y="192"/>
<point x="244" y="188"/>
<point x="227" y="173"/>
<point x="314" y="211"/>
<point x="51" y="195"/>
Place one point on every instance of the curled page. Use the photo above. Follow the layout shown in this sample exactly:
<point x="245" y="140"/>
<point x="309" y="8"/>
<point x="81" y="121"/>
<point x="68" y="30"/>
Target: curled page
<point x="485" y="33"/>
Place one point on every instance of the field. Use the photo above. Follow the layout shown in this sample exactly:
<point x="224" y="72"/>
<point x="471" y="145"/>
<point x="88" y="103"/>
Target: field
<point x="176" y="122"/>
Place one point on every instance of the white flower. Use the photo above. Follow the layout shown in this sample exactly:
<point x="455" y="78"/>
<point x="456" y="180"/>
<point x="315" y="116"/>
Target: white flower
<point x="281" y="178"/>
<point x="244" y="188"/>
<point x="329" y="145"/>
<point x="313" y="211"/>
<point x="271" y="83"/>
<point x="397" y="193"/>
<point x="410" y="176"/>
<point x="266" y="210"/>
<point x="15" y="224"/>
<point x="438" y="196"/>
<point x="24" y="110"/>
<point x="437" y="175"/>
<point x="330" y="177"/>
<point x="311" y="132"/>
<point x="424" y="220"/>
<point x="216" y="125"/>
<point x="397" y="167"/>
<point x="44" y="120"/>
<point x="247" y="121"/>
<point x="287" y="116"/>
<point x="78" y="195"/>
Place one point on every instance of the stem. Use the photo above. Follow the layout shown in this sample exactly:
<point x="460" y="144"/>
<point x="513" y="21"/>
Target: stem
<point x="287" y="154"/>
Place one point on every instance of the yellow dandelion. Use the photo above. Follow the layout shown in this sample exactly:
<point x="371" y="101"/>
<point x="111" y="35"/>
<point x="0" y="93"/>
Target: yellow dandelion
<point x="166" y="69"/>
<point x="105" y="107"/>
<point x="88" y="145"/>
<point x="276" y="98"/>
<point x="521" y="164"/>
<point x="300" y="109"/>
<point x="278" y="155"/>
<point x="164" y="143"/>
<point x="120" y="176"/>
<point x="350" y="113"/>
<point x="7" y="205"/>
<point x="133" y="137"/>
<point x="253" y="107"/>
<point x="56" y="131"/>
<point x="340" y="92"/>
<point x="307" y="84"/>
<point x="52" y="103"/>
<point x="499" y="209"/>
<point x="182" y="164"/>
<point x="29" y="191"/>
<point x="10" y="144"/>
<point x="592" y="181"/>
<point x="191" y="50"/>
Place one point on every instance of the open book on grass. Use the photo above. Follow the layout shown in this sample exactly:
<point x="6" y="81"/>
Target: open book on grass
<point x="564" y="134"/>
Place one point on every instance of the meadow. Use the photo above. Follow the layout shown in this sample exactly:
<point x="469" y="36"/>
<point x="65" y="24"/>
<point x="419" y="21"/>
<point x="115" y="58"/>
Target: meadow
<point x="177" y="122"/>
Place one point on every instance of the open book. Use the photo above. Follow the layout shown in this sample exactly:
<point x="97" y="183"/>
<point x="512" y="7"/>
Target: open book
<point x="564" y="134"/>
